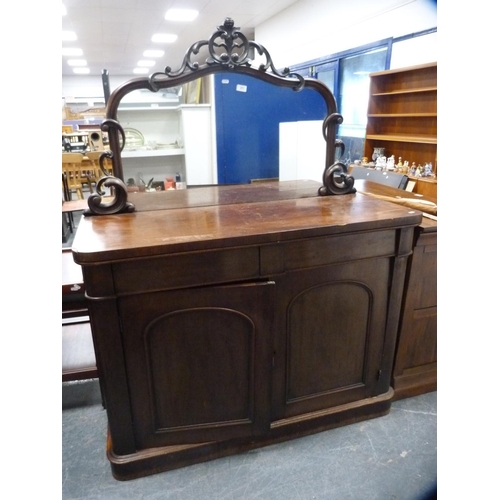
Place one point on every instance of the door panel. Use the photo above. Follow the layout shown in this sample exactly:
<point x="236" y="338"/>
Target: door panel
<point x="334" y="360"/>
<point x="330" y="336"/>
<point x="200" y="368"/>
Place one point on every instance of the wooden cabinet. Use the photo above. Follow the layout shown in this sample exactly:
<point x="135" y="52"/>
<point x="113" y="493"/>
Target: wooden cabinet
<point x="231" y="317"/>
<point x="402" y="118"/>
<point x="415" y="367"/>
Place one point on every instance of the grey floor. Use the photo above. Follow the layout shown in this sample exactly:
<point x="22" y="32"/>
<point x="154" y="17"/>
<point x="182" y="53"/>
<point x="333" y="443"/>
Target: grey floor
<point x="388" y="458"/>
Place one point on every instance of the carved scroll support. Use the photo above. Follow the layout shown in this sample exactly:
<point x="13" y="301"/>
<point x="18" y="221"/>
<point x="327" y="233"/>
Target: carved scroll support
<point x="336" y="180"/>
<point x="117" y="205"/>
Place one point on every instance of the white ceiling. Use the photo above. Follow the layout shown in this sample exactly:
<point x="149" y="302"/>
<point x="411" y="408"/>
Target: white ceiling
<point x="114" y="33"/>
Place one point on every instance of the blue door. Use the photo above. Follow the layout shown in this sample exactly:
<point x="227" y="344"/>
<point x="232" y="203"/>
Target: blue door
<point x="248" y="113"/>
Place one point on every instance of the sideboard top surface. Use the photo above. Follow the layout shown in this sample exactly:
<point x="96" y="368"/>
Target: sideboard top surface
<point x="222" y="216"/>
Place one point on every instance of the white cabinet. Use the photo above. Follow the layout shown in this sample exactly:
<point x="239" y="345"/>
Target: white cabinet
<point x="302" y="151"/>
<point x="197" y="135"/>
<point x="174" y="139"/>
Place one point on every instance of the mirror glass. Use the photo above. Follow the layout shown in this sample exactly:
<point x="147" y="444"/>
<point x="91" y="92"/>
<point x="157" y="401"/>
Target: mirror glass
<point x="226" y="128"/>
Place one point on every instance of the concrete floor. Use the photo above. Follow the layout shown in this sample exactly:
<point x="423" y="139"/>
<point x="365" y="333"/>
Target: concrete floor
<point x="388" y="458"/>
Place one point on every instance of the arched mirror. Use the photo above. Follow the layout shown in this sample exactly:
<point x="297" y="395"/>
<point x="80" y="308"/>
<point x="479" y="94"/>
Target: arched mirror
<point x="268" y="124"/>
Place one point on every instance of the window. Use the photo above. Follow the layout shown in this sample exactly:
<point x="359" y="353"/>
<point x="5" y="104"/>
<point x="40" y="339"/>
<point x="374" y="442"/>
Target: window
<point x="346" y="74"/>
<point x="354" y="85"/>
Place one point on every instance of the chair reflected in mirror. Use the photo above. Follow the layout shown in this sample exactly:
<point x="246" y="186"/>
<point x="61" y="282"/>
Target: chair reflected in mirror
<point x="99" y="172"/>
<point x="72" y="176"/>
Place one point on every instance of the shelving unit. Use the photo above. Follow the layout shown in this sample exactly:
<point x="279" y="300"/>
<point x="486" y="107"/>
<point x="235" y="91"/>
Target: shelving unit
<point x="402" y="118"/>
<point x="162" y="127"/>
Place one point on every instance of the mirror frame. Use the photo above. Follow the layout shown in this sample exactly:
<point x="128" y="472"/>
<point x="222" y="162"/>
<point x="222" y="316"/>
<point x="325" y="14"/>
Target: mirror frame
<point x="228" y="50"/>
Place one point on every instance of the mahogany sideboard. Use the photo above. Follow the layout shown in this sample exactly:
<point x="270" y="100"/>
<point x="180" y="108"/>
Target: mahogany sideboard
<point x="228" y="318"/>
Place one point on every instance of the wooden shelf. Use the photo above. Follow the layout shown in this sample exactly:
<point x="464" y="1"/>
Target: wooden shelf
<point x="402" y="118"/>
<point x="406" y="91"/>
<point x="403" y="138"/>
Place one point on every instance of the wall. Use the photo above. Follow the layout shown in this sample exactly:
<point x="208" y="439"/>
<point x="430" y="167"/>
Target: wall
<point x="310" y="29"/>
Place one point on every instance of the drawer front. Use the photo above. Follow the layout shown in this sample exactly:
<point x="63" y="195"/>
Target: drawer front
<point x="315" y="252"/>
<point x="186" y="270"/>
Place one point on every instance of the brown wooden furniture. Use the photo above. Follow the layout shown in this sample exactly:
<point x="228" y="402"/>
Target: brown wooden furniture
<point x="402" y="118"/>
<point x="71" y="169"/>
<point x="227" y="318"/>
<point x="231" y="317"/>
<point x="415" y="365"/>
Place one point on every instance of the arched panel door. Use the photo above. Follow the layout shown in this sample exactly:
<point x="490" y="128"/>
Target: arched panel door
<point x="198" y="363"/>
<point x="331" y="331"/>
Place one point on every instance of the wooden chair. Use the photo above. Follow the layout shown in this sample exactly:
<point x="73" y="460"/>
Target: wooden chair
<point x="93" y="157"/>
<point x="71" y="168"/>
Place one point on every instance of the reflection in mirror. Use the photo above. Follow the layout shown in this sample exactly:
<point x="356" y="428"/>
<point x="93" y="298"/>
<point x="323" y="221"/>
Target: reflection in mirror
<point x="253" y="122"/>
<point x="250" y="119"/>
<point x="152" y="123"/>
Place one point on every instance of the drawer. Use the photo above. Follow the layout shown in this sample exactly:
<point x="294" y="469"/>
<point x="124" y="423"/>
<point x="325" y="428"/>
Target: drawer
<point x="314" y="252"/>
<point x="186" y="270"/>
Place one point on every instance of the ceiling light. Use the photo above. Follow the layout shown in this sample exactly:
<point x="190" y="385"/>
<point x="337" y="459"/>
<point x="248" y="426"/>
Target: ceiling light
<point x="68" y="36"/>
<point x="141" y="70"/>
<point x="146" y="63"/>
<point x="63" y="10"/>
<point x="77" y="62"/>
<point x="164" y="38"/>
<point x="180" y="14"/>
<point x="153" y="53"/>
<point x="69" y="51"/>
<point x="81" y="71"/>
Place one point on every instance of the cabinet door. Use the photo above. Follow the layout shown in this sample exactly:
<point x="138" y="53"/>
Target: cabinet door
<point x="330" y="336"/>
<point x="198" y="363"/>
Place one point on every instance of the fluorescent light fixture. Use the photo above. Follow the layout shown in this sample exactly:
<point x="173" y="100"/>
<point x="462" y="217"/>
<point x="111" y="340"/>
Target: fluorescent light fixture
<point x="63" y="10"/>
<point x="77" y="62"/>
<point x="163" y="38"/>
<point x="68" y="36"/>
<point x="153" y="53"/>
<point x="141" y="70"/>
<point x="181" y="14"/>
<point x="81" y="71"/>
<point x="70" y="51"/>
<point x="146" y="63"/>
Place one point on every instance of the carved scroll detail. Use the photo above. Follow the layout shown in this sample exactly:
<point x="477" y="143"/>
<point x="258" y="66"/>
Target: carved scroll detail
<point x="336" y="180"/>
<point x="118" y="205"/>
<point x="335" y="177"/>
<point x="227" y="47"/>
